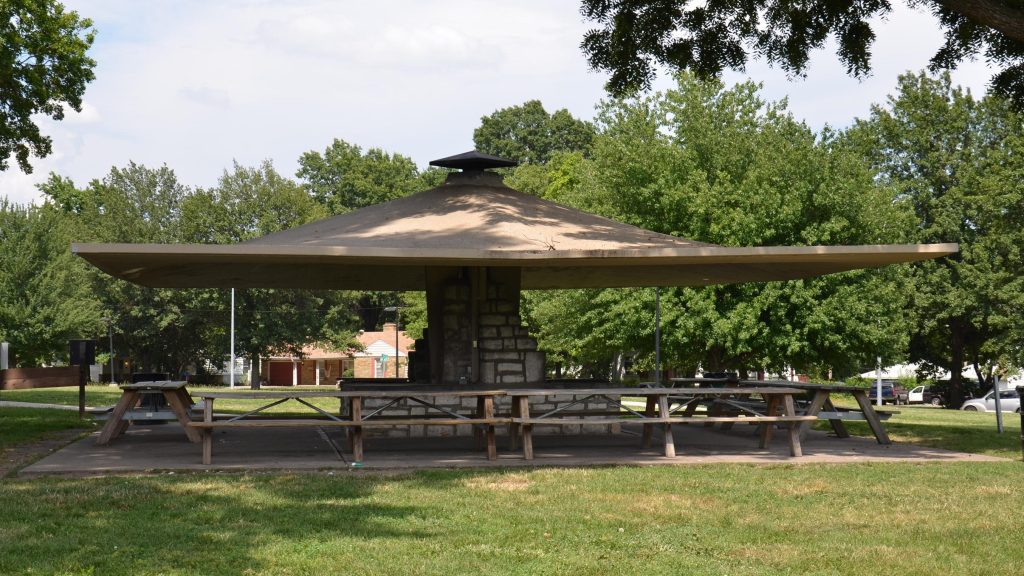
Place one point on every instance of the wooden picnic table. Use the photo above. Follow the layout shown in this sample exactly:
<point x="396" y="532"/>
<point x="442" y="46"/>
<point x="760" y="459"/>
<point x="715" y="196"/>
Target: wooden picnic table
<point x="178" y="399"/>
<point x="659" y="411"/>
<point x="483" y="421"/>
<point x="820" y="399"/>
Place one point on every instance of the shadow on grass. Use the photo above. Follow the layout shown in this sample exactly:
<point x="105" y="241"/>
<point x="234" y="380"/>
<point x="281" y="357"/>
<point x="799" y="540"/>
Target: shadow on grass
<point x="183" y="523"/>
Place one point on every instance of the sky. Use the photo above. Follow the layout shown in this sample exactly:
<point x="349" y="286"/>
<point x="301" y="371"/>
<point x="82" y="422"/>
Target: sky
<point x="199" y="84"/>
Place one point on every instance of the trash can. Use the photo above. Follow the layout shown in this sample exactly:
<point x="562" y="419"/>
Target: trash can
<point x="150" y="402"/>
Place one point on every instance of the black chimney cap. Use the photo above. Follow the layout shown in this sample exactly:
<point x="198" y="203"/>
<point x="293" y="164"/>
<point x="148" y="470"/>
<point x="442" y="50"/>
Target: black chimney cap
<point x="474" y="160"/>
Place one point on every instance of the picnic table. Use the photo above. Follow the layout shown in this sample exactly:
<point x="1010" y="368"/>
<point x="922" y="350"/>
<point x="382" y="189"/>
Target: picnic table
<point x="820" y="404"/>
<point x="660" y="410"/>
<point x="354" y="418"/>
<point x="178" y="399"/>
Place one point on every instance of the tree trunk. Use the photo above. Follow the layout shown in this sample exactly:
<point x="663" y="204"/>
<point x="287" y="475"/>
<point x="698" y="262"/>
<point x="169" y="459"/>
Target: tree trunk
<point x="254" y="371"/>
<point x="956" y="366"/>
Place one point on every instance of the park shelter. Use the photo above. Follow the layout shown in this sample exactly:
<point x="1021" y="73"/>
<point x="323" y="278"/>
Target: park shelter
<point x="472" y="244"/>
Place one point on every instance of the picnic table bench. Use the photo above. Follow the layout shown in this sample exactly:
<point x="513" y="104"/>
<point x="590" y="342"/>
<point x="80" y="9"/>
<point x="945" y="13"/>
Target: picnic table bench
<point x="658" y="411"/>
<point x="484" y="420"/>
<point x="820" y="404"/>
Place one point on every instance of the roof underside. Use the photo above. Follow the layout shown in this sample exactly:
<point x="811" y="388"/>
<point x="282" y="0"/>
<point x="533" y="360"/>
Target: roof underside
<point x="474" y="220"/>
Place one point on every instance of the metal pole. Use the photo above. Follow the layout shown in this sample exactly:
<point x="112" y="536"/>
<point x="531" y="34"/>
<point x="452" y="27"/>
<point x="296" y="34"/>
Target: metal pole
<point x="231" y="382"/>
<point x="398" y="357"/>
<point x="999" y="406"/>
<point x="657" y="336"/>
<point x="878" y="381"/>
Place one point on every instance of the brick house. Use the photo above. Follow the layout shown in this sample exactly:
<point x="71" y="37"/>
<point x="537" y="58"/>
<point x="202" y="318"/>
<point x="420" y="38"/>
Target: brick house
<point x="319" y="366"/>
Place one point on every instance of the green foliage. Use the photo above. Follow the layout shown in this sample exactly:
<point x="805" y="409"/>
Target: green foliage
<point x="343" y="178"/>
<point x="720" y="165"/>
<point x="956" y="162"/>
<point x="44" y="291"/>
<point x="43" y="67"/>
<point x="633" y="38"/>
<point x="528" y="134"/>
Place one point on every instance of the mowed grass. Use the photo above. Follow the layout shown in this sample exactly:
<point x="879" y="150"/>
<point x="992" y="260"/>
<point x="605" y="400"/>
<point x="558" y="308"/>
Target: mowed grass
<point x="730" y="519"/>
<point x="104" y="395"/>
<point x="973" y="432"/>
<point x="21" y="425"/>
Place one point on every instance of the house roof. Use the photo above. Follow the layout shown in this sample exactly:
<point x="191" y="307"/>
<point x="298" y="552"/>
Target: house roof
<point x="475" y="220"/>
<point x="374" y="344"/>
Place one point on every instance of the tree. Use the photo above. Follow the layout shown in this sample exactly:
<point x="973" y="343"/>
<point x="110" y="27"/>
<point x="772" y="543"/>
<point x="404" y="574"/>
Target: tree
<point x="343" y="178"/>
<point x="635" y="36"/>
<point x="249" y="203"/>
<point x="957" y="163"/>
<point x="45" y="298"/>
<point x="43" y="68"/>
<point x="528" y="134"/>
<point x="720" y="165"/>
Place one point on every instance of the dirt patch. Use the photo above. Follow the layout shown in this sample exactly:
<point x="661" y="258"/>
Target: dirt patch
<point x="13" y="459"/>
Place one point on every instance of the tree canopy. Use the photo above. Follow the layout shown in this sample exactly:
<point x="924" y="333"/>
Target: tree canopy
<point x="957" y="163"/>
<point x="43" y="68"/>
<point x="633" y="37"/>
<point x="528" y="134"/>
<point x="720" y="165"/>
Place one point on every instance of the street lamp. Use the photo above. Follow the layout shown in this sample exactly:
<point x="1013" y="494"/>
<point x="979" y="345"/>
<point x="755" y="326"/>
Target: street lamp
<point x="110" y="332"/>
<point x="398" y="318"/>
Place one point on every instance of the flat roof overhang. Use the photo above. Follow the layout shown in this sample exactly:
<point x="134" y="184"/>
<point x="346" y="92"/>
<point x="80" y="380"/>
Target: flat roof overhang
<point x="368" y="268"/>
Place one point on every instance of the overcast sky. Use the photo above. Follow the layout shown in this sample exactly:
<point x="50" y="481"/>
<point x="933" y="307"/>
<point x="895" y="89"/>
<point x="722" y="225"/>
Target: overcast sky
<point x="197" y="84"/>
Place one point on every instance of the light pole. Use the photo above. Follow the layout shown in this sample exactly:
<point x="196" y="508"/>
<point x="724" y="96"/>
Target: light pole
<point x="110" y="332"/>
<point x="398" y="318"/>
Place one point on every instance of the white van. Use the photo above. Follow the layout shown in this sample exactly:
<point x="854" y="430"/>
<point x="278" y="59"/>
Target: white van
<point x="1009" y="401"/>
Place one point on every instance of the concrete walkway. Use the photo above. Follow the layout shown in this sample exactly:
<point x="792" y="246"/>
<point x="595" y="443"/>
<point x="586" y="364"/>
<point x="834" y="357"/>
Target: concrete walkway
<point x="164" y="447"/>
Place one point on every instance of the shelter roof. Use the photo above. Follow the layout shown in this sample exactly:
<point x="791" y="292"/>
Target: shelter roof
<point x="475" y="220"/>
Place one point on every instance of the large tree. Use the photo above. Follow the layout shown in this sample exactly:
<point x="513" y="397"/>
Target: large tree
<point x="344" y="178"/>
<point x="249" y="203"/>
<point x="45" y="296"/>
<point x="633" y="37"/>
<point x="43" y="68"/>
<point x="529" y="134"/>
<point x="720" y="165"/>
<point x="957" y="163"/>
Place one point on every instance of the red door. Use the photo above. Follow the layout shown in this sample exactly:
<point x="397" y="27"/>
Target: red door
<point x="280" y="373"/>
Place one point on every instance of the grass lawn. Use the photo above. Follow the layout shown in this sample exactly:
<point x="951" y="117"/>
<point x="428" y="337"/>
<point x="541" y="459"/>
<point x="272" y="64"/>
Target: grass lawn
<point x="892" y="518"/>
<point x="21" y="425"/>
<point x="732" y="519"/>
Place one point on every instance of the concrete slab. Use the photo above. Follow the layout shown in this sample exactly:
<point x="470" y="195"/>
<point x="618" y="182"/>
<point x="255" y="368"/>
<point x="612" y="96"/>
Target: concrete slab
<point x="164" y="447"/>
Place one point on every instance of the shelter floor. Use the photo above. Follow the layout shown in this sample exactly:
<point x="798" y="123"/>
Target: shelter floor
<point x="164" y="447"/>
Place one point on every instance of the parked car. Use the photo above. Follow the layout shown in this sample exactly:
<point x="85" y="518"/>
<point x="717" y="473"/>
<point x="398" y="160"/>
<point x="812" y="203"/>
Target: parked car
<point x="1009" y="402"/>
<point x="925" y="395"/>
<point x="892" y="392"/>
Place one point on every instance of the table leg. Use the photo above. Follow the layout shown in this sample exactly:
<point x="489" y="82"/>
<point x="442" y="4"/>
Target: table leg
<point x="872" y="417"/>
<point x="492" y="449"/>
<point x="663" y="412"/>
<point x="357" y="431"/>
<point x="794" y="430"/>
<point x="113" y="427"/>
<point x="645" y="441"/>
<point x="478" y="432"/>
<point x="817" y="402"/>
<point x="208" y="432"/>
<point x="772" y="400"/>
<point x="837" y="425"/>
<point x="514" y="427"/>
<point x="177" y="399"/>
<point x="524" y="412"/>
